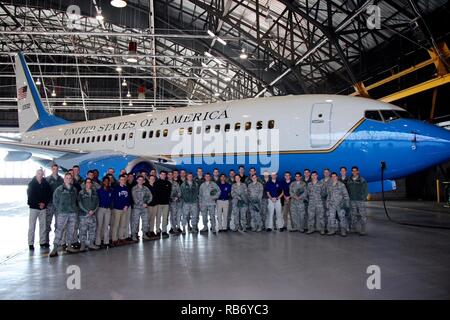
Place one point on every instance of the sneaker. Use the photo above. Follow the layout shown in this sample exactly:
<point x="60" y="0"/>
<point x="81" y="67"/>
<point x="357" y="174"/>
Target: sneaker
<point x="310" y="231"/>
<point x="82" y="247"/>
<point x="135" y="239"/>
<point x="214" y="233"/>
<point x="165" y="235"/>
<point x="331" y="233"/>
<point x="259" y="229"/>
<point x="31" y="247"/>
<point x="282" y="229"/>
<point x="45" y="245"/>
<point x="183" y="231"/>
<point x="179" y="230"/>
<point x="76" y="245"/>
<point x="129" y="239"/>
<point x="93" y="247"/>
<point x="145" y="236"/>
<point x="302" y="230"/>
<point x="158" y="234"/>
<point x="293" y="230"/>
<point x="53" y="253"/>
<point x="171" y="231"/>
<point x="64" y="247"/>
<point x="205" y="229"/>
<point x="322" y="232"/>
<point x="268" y="230"/>
<point x="343" y="233"/>
<point x="190" y="228"/>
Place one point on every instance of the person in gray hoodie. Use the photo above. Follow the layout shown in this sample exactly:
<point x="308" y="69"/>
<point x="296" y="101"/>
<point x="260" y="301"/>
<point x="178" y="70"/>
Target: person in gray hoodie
<point x="65" y="201"/>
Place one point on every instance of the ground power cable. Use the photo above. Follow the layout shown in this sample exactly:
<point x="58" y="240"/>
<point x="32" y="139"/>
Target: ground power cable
<point x="383" y="167"/>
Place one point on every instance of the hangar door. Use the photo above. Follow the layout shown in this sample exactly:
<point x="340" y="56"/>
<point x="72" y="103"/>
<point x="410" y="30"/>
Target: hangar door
<point x="320" y="134"/>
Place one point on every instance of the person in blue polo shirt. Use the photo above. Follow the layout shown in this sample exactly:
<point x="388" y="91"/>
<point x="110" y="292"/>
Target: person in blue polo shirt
<point x="223" y="203"/>
<point x="275" y="192"/>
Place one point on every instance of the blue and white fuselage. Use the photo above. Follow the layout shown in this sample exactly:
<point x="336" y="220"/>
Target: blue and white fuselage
<point x="287" y="133"/>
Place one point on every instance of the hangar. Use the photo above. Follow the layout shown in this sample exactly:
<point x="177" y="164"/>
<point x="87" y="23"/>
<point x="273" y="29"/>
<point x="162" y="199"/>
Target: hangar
<point x="156" y="86"/>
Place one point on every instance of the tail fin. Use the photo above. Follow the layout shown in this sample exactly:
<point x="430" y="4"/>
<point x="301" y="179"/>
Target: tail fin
<point x="32" y="114"/>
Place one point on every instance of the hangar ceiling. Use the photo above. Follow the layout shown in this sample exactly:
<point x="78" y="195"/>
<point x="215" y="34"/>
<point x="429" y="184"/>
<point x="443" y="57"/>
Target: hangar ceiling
<point x="193" y="51"/>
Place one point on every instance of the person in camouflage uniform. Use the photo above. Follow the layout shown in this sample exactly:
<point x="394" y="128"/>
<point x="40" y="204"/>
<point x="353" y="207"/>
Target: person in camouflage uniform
<point x="299" y="195"/>
<point x="189" y="195"/>
<point x="344" y="179"/>
<point x="306" y="179"/>
<point x="54" y="180"/>
<point x="141" y="196"/>
<point x="255" y="193"/>
<point x="265" y="199"/>
<point x="174" y="205"/>
<point x="65" y="201"/>
<point x="208" y="193"/>
<point x="317" y="194"/>
<point x="358" y="191"/>
<point x="88" y="203"/>
<point x="337" y="202"/>
<point x="326" y="183"/>
<point x="239" y="204"/>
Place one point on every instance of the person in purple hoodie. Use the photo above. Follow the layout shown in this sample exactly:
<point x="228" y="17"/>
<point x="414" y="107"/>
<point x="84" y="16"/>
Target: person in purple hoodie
<point x="121" y="201"/>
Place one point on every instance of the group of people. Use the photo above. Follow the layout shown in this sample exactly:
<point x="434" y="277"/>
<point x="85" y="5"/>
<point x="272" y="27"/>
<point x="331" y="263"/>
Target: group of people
<point x="91" y="213"/>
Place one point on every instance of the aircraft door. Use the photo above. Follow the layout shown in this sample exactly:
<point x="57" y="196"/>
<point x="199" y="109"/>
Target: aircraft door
<point x="130" y="139"/>
<point x="320" y="132"/>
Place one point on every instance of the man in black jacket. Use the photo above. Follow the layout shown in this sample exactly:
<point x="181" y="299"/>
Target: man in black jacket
<point x="39" y="195"/>
<point x="163" y="191"/>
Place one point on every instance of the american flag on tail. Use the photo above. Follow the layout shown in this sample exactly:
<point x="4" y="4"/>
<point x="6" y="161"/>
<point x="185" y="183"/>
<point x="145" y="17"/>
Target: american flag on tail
<point x="22" y="93"/>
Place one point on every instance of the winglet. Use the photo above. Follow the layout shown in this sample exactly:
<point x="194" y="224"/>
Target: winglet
<point x="32" y="114"/>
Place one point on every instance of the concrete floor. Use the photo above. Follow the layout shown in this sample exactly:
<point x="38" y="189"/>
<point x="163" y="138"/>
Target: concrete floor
<point x="414" y="262"/>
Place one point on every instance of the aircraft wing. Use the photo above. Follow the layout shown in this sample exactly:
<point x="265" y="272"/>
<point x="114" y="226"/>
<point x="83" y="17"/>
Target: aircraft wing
<point x="21" y="150"/>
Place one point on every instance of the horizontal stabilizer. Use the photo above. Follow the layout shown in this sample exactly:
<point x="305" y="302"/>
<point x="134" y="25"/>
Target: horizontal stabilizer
<point x="17" y="156"/>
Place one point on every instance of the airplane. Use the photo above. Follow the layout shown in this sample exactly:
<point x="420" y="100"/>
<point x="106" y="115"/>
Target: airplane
<point x="284" y="133"/>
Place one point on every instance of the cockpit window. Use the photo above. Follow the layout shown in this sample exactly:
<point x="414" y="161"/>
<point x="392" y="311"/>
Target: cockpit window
<point x="387" y="115"/>
<point x="373" y="115"/>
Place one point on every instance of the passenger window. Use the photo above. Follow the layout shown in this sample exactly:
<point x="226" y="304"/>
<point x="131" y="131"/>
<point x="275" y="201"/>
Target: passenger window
<point x="181" y="131"/>
<point x="271" y="124"/>
<point x="158" y="133"/>
<point x="87" y="139"/>
<point x="104" y="138"/>
<point x="56" y="142"/>
<point x="130" y="135"/>
<point x="144" y="134"/>
<point x="190" y="130"/>
<point x="150" y="134"/>
<point x="237" y="126"/>
<point x="199" y="130"/>
<point x="110" y="137"/>
<point x="78" y="140"/>
<point x="82" y="140"/>
<point x="248" y="125"/>
<point x="73" y="141"/>
<point x="65" y="141"/>
<point x="259" y="125"/>
<point x="98" y="138"/>
<point x="165" y="132"/>
<point x="227" y="127"/>
<point x="116" y="137"/>
<point x="217" y="128"/>
<point x="373" y="115"/>
<point x="123" y="136"/>
<point x="207" y="129"/>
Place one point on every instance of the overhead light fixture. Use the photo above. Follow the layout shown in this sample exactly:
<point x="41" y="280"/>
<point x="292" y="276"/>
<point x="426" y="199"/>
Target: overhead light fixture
<point x="119" y="69"/>
<point x="221" y="41"/>
<point x="99" y="15"/>
<point x="38" y="82"/>
<point x="216" y="94"/>
<point x="227" y="79"/>
<point x="64" y="103"/>
<point x="243" y="54"/>
<point x="128" y="94"/>
<point x="130" y="103"/>
<point x="53" y="93"/>
<point x="209" y="55"/>
<point x="111" y="48"/>
<point x="124" y="83"/>
<point x="118" y="3"/>
<point x="132" y="50"/>
<point x="212" y="35"/>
